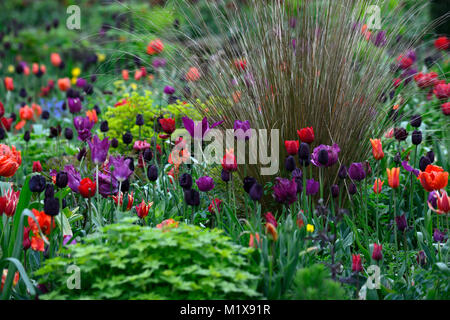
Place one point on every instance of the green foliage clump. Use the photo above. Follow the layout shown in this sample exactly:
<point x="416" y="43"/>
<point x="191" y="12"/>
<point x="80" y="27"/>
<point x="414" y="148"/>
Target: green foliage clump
<point x="123" y="117"/>
<point x="314" y="283"/>
<point x="127" y="261"/>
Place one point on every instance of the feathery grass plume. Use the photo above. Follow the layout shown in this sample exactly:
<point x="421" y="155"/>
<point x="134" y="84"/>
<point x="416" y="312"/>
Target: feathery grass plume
<point x="321" y="71"/>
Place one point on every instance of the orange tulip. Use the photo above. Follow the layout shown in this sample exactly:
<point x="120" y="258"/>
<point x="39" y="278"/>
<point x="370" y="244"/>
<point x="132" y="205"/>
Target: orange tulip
<point x="10" y="160"/>
<point x="64" y="84"/>
<point x="26" y="113"/>
<point x="377" y="149"/>
<point x="35" y="68"/>
<point x="44" y="222"/>
<point x="55" y="59"/>
<point x="92" y="115"/>
<point x="167" y="224"/>
<point x="393" y="177"/>
<point x="433" y="178"/>
<point x="192" y="75"/>
<point x="9" y="83"/>
<point x="125" y="75"/>
<point x="155" y="46"/>
<point x="377" y="185"/>
<point x="252" y="243"/>
<point x="37" y="110"/>
<point x="272" y="230"/>
<point x="20" y="124"/>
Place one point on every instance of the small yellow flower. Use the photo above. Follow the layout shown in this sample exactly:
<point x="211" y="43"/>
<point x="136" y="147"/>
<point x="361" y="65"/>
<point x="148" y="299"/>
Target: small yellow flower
<point x="133" y="86"/>
<point x="76" y="72"/>
<point x="11" y="68"/>
<point x="309" y="228"/>
<point x="74" y="80"/>
<point x="101" y="57"/>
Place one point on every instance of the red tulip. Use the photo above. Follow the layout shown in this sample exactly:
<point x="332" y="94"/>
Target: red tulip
<point x="377" y="254"/>
<point x="168" y="125"/>
<point x="306" y="134"/>
<point x="356" y="263"/>
<point x="37" y="167"/>
<point x="9" y="83"/>
<point x="87" y="188"/>
<point x="445" y="107"/>
<point x="442" y="43"/>
<point x="291" y="146"/>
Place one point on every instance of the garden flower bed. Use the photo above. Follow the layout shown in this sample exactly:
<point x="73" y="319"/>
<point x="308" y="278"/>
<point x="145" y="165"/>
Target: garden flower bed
<point x="272" y="153"/>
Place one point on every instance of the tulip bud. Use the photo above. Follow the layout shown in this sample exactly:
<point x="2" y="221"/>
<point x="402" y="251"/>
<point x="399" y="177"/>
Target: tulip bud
<point x="430" y="155"/>
<point x="139" y="120"/>
<point x="335" y="190"/>
<point x="114" y="143"/>
<point x="256" y="192"/>
<point x="423" y="163"/>
<point x="416" y="120"/>
<point x="125" y="186"/>
<point x="148" y="155"/>
<point x="26" y="136"/>
<point x="37" y="183"/>
<point x="400" y="134"/>
<point x="45" y="115"/>
<point x="104" y="126"/>
<point x="127" y="138"/>
<point x="185" y="181"/>
<point x="192" y="197"/>
<point x="416" y="137"/>
<point x="398" y="158"/>
<point x="62" y="179"/>
<point x="352" y="188"/>
<point x="289" y="163"/>
<point x="81" y="154"/>
<point x="51" y="206"/>
<point x="152" y="172"/>
<point x="68" y="133"/>
<point x="49" y="190"/>
<point x="225" y="175"/>
<point x="342" y="174"/>
<point x="248" y="183"/>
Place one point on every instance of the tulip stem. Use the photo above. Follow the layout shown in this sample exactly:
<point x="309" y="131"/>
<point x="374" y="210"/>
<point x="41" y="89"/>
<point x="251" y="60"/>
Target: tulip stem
<point x="411" y="191"/>
<point x="118" y="195"/>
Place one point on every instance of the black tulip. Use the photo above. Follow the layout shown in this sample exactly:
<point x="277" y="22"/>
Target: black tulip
<point x="81" y="154"/>
<point x="352" y="188"/>
<point x="248" y="183"/>
<point x="335" y="190"/>
<point x="256" y="192"/>
<point x="131" y="164"/>
<point x="19" y="68"/>
<point x="303" y="151"/>
<point x="26" y="136"/>
<point x="148" y="155"/>
<point x="104" y="126"/>
<point x="62" y="179"/>
<point x="45" y="115"/>
<point x="114" y="143"/>
<point x="13" y="116"/>
<point x="49" y="190"/>
<point x="192" y="197"/>
<point x="322" y="157"/>
<point x="225" y="175"/>
<point x="68" y="133"/>
<point x="185" y="181"/>
<point x="139" y="120"/>
<point x="51" y="206"/>
<point x="416" y="120"/>
<point x="125" y="186"/>
<point x="400" y="134"/>
<point x="2" y="133"/>
<point x="430" y="155"/>
<point x="37" y="183"/>
<point x="23" y="93"/>
<point x="289" y="163"/>
<point x="152" y="172"/>
<point x="343" y="172"/>
<point x="89" y="89"/>
<point x="97" y="109"/>
<point x="127" y="138"/>
<point x="423" y="163"/>
<point x="416" y="137"/>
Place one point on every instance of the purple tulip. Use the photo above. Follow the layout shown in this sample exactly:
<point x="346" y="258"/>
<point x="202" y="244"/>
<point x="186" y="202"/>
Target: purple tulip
<point x="380" y="39"/>
<point x="169" y="90"/>
<point x="333" y="152"/>
<point x="285" y="190"/>
<point x="69" y="238"/>
<point x="356" y="171"/>
<point x="401" y="222"/>
<point x="438" y="236"/>
<point x="74" y="105"/>
<point x="121" y="166"/>
<point x="84" y="127"/>
<point x="99" y="149"/>
<point x="199" y="130"/>
<point x="242" y="129"/>
<point x="205" y="183"/>
<point x="432" y="199"/>
<point x="158" y="63"/>
<point x="312" y="187"/>
<point x="107" y="184"/>
<point x="74" y="177"/>
<point x="408" y="168"/>
<point x="81" y="83"/>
